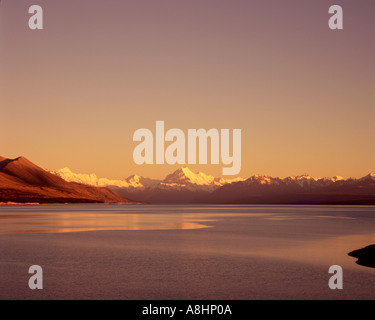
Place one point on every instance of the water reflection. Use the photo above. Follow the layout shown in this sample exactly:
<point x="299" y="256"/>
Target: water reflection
<point x="76" y="222"/>
<point x="91" y="220"/>
<point x="323" y="252"/>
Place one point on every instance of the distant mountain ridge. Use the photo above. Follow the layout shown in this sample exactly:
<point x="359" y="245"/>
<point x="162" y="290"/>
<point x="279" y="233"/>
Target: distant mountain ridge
<point x="181" y="179"/>
<point x="92" y="179"/>
<point x="299" y="190"/>
<point x="21" y="181"/>
<point x="184" y="179"/>
<point x="185" y="186"/>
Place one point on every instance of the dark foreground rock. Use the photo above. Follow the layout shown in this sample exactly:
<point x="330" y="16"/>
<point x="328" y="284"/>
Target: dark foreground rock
<point x="365" y="256"/>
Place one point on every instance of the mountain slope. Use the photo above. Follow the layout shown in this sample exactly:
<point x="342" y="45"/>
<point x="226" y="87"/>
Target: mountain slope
<point x="22" y="181"/>
<point x="29" y="173"/>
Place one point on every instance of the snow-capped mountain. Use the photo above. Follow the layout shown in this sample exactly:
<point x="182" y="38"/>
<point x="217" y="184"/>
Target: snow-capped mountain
<point x="138" y="182"/>
<point x="185" y="186"/>
<point x="132" y="182"/>
<point x="304" y="180"/>
<point x="185" y="179"/>
<point x="181" y="179"/>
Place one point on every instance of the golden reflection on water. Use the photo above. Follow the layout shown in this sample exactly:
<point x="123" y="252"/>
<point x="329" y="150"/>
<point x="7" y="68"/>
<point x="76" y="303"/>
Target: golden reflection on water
<point x="66" y="222"/>
<point x="326" y="252"/>
<point x="61" y="222"/>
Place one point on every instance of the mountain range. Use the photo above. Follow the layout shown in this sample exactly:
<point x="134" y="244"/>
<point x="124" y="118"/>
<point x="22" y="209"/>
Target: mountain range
<point x="21" y="181"/>
<point x="182" y="179"/>
<point x="185" y="186"/>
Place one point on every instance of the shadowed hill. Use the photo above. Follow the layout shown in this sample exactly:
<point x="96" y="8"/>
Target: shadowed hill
<point x="22" y="181"/>
<point x="29" y="173"/>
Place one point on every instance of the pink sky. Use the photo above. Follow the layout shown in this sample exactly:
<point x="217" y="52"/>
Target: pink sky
<point x="74" y="93"/>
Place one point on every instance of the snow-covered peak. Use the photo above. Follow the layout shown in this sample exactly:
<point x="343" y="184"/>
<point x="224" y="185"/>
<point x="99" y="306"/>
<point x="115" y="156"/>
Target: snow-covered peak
<point x="185" y="175"/>
<point x="88" y="179"/>
<point x="65" y="171"/>
<point x="370" y="176"/>
<point x="136" y="181"/>
<point x="133" y="182"/>
<point x="338" y="178"/>
<point x="303" y="180"/>
<point x="185" y="179"/>
<point x="221" y="181"/>
<point x="134" y="177"/>
<point x="303" y="177"/>
<point x="262" y="179"/>
<point x="68" y="175"/>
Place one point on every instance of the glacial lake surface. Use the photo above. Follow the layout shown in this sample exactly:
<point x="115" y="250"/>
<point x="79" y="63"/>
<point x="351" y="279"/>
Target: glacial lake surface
<point x="185" y="251"/>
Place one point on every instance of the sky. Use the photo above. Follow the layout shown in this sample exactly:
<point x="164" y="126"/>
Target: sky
<point x="73" y="94"/>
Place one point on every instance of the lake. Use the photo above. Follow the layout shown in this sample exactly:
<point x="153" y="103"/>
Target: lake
<point x="185" y="252"/>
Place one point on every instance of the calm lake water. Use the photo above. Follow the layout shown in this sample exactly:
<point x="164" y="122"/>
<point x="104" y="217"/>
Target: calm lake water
<point x="185" y="252"/>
